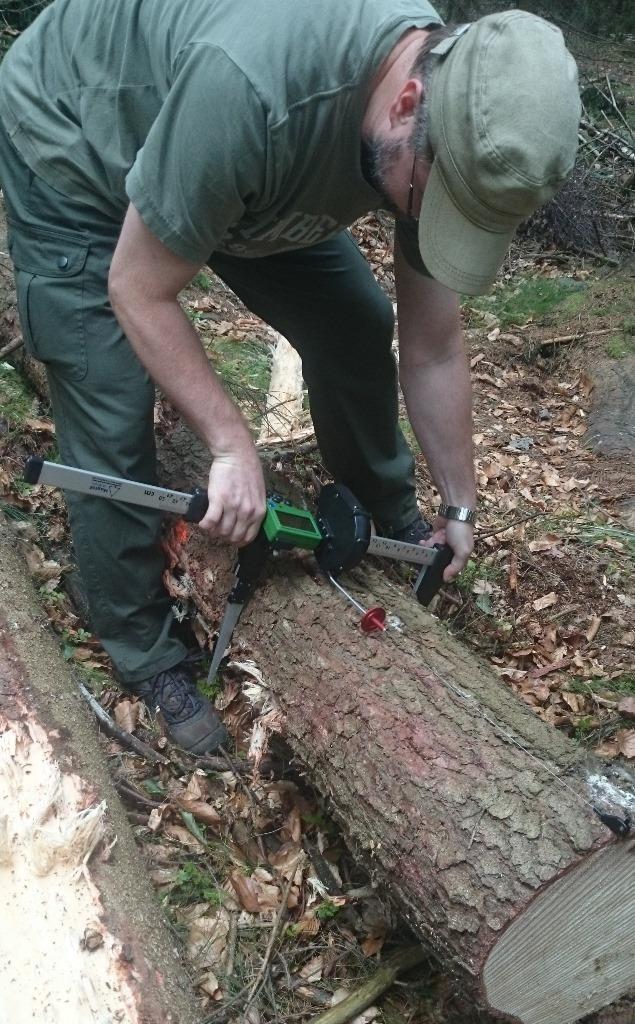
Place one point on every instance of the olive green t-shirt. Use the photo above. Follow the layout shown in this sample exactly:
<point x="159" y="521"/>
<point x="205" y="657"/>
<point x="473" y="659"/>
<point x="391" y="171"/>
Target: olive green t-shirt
<point x="231" y="125"/>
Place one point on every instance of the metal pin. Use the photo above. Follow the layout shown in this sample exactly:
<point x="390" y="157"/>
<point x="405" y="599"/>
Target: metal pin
<point x="373" y="619"/>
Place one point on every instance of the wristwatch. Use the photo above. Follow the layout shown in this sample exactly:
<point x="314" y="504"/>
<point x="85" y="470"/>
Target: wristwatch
<point x="461" y="513"/>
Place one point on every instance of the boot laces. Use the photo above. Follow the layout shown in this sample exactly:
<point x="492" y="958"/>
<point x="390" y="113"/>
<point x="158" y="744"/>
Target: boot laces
<point x="175" y="692"/>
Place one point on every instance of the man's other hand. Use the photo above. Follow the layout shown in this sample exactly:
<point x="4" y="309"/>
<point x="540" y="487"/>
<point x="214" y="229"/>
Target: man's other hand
<point x="460" y="537"/>
<point x="237" y="497"/>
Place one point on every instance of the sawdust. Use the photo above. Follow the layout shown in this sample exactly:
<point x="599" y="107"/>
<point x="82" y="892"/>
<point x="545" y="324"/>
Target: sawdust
<point x="48" y="900"/>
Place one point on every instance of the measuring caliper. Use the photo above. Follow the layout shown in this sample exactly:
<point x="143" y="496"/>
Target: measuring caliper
<point x="339" y="533"/>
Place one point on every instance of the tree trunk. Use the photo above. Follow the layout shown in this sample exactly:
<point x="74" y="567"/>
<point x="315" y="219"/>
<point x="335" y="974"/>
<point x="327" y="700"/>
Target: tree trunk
<point x="80" y="940"/>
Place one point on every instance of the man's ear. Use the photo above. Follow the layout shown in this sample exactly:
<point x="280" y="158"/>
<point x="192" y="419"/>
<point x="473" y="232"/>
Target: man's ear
<point x="406" y="102"/>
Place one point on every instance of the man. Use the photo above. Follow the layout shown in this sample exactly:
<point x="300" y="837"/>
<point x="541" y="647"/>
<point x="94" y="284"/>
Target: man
<point x="143" y="139"/>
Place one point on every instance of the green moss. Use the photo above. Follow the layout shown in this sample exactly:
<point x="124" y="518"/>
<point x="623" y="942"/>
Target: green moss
<point x="327" y="910"/>
<point x="583" y="728"/>
<point x="194" y="885"/>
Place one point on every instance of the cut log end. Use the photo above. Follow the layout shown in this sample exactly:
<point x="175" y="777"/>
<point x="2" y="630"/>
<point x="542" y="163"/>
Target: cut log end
<point x="582" y="925"/>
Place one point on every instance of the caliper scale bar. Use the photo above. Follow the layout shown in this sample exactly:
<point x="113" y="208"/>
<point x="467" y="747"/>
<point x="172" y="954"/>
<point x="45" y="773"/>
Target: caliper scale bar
<point x="191" y="506"/>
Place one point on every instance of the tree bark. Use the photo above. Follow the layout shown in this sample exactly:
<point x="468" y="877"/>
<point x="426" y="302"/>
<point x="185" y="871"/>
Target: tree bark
<point x="81" y="938"/>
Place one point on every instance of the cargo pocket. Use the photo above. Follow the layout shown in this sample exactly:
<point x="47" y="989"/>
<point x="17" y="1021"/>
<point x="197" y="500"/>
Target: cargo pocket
<point x="49" y="275"/>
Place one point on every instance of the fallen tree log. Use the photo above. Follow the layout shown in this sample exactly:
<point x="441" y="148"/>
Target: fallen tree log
<point x="474" y="815"/>
<point x="80" y="937"/>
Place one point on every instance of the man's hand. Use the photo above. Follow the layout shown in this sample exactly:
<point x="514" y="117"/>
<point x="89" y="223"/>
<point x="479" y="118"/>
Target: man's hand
<point x="237" y="497"/>
<point x="460" y="537"/>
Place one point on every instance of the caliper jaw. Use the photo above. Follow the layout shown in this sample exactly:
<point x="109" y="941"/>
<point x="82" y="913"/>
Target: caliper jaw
<point x="345" y="527"/>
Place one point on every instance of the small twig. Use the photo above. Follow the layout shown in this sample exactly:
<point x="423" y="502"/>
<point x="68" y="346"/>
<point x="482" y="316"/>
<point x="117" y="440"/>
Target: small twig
<point x="238" y="765"/>
<point x="618" y="143"/>
<point x="126" y="739"/>
<point x="127" y="791"/>
<point x="384" y="977"/>
<point x="11" y="347"/>
<point x="575" y="337"/>
<point x="230" y="949"/>
<point x="514" y="522"/>
<point x="262" y="973"/>
<point x="322" y="868"/>
<point x="617" y="109"/>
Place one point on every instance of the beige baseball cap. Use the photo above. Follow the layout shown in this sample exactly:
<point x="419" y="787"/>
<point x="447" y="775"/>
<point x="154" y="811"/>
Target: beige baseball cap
<point x="503" y="118"/>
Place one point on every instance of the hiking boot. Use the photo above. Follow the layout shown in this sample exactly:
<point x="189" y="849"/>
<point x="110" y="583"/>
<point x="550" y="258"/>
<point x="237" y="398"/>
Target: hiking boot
<point x="191" y="720"/>
<point x="419" y="529"/>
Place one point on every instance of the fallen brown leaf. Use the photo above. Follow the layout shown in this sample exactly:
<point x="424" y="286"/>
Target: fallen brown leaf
<point x="626" y="707"/>
<point x="246" y="890"/>
<point x="201" y="810"/>
<point x="544" y="602"/>
<point x="626" y="742"/>
<point x="127" y="714"/>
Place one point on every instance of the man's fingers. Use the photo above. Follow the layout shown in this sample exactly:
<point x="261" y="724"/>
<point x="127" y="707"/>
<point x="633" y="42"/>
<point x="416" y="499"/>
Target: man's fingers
<point x="460" y="537"/>
<point x="452" y="570"/>
<point x="438" y="537"/>
<point x="237" y="499"/>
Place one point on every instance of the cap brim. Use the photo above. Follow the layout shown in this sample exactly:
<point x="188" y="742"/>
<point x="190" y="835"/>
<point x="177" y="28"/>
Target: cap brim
<point x="460" y="254"/>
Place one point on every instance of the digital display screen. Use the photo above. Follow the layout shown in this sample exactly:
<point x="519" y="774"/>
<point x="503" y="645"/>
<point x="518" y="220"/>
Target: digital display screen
<point x="288" y="519"/>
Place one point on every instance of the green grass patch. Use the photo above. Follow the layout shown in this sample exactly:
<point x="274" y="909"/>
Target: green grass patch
<point x="609" y="297"/>
<point x="202" y="280"/>
<point x="242" y="364"/>
<point x="531" y="298"/>
<point x="620" y="346"/>
<point x="210" y="688"/>
<point x="16" y="398"/>
<point x="245" y="369"/>
<point x="408" y="432"/>
<point x="479" y="571"/>
<point x="623" y="684"/>
<point x="629" y="326"/>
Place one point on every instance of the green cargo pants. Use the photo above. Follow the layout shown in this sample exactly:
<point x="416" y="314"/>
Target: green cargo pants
<point x="323" y="299"/>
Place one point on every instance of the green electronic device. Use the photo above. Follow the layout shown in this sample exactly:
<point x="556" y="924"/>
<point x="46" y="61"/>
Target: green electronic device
<point x="287" y="525"/>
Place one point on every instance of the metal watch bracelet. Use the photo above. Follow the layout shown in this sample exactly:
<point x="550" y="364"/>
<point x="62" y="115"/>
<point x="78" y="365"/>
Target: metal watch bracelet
<point x="461" y="513"/>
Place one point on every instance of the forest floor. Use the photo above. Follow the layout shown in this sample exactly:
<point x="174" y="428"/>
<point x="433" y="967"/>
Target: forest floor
<point x="547" y="600"/>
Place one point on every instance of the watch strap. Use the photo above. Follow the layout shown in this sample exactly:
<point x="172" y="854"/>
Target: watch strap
<point x="459" y="512"/>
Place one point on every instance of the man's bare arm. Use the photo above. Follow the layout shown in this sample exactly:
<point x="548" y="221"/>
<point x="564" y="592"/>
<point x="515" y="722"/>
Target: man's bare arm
<point x="435" y="380"/>
<point x="144" y="283"/>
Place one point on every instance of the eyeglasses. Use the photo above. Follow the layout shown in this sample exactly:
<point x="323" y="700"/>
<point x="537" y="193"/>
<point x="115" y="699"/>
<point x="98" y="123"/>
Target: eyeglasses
<point x="411" y="190"/>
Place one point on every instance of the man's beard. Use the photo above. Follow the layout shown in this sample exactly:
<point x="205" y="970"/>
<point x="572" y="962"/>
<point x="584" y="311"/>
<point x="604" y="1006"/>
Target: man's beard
<point x="378" y="157"/>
